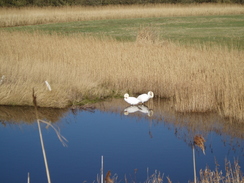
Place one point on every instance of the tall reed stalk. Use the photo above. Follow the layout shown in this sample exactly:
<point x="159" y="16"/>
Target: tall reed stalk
<point x="101" y="169"/>
<point x="28" y="178"/>
<point x="41" y="139"/>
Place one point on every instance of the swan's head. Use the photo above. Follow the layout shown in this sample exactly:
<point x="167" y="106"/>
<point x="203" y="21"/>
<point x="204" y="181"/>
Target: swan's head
<point x="150" y="94"/>
<point x="126" y="95"/>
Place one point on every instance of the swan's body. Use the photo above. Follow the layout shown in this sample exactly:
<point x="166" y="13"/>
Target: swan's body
<point x="145" y="97"/>
<point x="131" y="109"/>
<point x="131" y="100"/>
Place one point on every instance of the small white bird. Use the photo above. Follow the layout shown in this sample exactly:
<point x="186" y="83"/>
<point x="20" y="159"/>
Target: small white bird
<point x="131" y="100"/>
<point x="145" y="97"/>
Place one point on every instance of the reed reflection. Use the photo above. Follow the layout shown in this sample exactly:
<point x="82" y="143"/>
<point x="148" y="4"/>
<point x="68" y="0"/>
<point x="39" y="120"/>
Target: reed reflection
<point x="60" y="137"/>
<point x="26" y="114"/>
<point x="185" y="125"/>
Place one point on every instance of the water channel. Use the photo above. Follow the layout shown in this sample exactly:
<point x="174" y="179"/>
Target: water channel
<point x="133" y="143"/>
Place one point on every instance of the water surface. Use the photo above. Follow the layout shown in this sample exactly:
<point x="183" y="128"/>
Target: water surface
<point x="133" y="145"/>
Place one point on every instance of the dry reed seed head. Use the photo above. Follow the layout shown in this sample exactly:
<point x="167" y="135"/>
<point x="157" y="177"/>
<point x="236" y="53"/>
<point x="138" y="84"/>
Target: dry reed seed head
<point x="169" y="181"/>
<point x="107" y="177"/>
<point x="199" y="141"/>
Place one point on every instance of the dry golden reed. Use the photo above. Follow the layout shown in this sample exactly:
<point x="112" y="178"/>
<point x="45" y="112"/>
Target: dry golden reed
<point x="196" y="79"/>
<point x="35" y="15"/>
<point x="232" y="173"/>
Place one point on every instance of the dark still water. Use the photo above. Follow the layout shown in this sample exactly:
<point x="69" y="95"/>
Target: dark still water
<point x="133" y="146"/>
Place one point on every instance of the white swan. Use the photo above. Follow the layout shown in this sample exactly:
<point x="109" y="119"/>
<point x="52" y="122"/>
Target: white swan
<point x="131" y="100"/>
<point x="145" y="97"/>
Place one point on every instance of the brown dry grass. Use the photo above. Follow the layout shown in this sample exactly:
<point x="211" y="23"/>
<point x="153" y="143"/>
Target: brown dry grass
<point x="196" y="79"/>
<point x="30" y="16"/>
<point x="233" y="174"/>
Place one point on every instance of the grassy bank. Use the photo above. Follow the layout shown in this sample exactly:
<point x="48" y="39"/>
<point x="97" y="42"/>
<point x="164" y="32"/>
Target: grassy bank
<point x="224" y="30"/>
<point x="34" y="15"/>
<point x="197" y="79"/>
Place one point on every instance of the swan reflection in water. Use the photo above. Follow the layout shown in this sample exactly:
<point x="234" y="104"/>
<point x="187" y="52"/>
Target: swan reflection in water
<point x="141" y="108"/>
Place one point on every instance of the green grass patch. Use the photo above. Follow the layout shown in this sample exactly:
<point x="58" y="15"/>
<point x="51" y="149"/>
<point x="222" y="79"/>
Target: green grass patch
<point x="223" y="29"/>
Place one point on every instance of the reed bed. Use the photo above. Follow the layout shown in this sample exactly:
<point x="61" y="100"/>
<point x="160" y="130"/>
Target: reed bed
<point x="231" y="174"/>
<point x="37" y="15"/>
<point x="196" y="79"/>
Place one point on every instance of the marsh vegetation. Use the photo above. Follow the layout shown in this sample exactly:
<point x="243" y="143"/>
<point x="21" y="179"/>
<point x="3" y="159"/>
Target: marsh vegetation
<point x="197" y="77"/>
